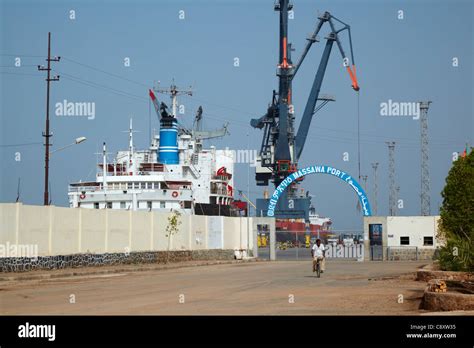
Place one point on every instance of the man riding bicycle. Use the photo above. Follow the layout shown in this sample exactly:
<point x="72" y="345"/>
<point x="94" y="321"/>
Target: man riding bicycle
<point x="318" y="253"/>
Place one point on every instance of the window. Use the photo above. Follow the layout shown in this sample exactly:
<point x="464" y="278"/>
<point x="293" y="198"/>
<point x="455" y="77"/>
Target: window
<point x="162" y="204"/>
<point x="109" y="205"/>
<point x="404" y="240"/>
<point x="122" y="205"/>
<point x="96" y="205"/>
<point x="427" y="240"/>
<point x="148" y="204"/>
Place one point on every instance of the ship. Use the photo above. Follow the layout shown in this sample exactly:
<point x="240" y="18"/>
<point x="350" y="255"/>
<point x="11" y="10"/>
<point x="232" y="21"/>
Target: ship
<point x="175" y="172"/>
<point x="302" y="232"/>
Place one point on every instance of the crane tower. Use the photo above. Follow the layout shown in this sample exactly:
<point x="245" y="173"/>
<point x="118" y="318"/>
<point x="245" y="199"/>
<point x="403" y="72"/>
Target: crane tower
<point x="281" y="147"/>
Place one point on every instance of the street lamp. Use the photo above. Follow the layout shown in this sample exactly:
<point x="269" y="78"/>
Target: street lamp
<point x="77" y="141"/>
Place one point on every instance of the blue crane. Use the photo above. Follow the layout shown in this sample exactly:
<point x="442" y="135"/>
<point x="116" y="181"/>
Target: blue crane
<point x="281" y="148"/>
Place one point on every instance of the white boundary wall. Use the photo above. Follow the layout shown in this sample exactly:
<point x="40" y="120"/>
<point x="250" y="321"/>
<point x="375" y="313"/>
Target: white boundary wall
<point x="64" y="231"/>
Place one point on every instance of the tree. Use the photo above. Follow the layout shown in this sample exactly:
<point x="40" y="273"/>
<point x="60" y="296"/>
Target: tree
<point x="456" y="226"/>
<point x="174" y="221"/>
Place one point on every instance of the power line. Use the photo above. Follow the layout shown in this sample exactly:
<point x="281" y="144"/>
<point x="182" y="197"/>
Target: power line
<point x="94" y="84"/>
<point x="239" y="110"/>
<point x="245" y="124"/>
<point x="106" y="72"/>
<point x="17" y="73"/>
<point x="18" y="67"/>
<point x="21" y="55"/>
<point x="18" y="145"/>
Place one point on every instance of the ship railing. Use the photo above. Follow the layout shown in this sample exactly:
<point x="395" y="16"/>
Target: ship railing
<point x="220" y="178"/>
<point x="87" y="188"/>
<point x="219" y="192"/>
<point x="128" y="186"/>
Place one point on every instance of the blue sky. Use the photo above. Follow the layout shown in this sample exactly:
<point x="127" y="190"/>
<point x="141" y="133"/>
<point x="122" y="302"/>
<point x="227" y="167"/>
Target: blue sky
<point x="403" y="60"/>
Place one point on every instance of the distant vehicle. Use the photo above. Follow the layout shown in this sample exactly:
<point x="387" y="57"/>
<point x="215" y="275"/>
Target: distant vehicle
<point x="348" y="241"/>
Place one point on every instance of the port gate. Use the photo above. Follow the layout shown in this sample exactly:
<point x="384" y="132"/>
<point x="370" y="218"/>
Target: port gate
<point x="296" y="245"/>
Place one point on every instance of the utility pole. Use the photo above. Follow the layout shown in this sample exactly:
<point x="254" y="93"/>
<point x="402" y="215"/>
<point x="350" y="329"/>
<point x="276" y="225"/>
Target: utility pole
<point x="425" y="170"/>
<point x="375" y="166"/>
<point x="364" y="179"/>
<point x="46" y="133"/>
<point x="391" y="176"/>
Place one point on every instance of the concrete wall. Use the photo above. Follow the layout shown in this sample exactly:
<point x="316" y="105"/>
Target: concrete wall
<point x="64" y="231"/>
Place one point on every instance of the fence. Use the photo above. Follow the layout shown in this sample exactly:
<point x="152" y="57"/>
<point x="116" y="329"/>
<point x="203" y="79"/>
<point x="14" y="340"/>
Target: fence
<point x="296" y="245"/>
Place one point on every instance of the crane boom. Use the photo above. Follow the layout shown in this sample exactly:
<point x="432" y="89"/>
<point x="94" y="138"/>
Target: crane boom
<point x="155" y="102"/>
<point x="308" y="113"/>
<point x="303" y="128"/>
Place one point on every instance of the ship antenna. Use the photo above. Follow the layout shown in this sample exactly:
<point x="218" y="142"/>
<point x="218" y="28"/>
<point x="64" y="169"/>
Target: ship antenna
<point x="130" y="137"/>
<point x="130" y="145"/>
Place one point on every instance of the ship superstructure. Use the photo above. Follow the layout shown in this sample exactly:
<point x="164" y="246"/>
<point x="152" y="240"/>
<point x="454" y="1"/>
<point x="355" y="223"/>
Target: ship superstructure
<point x="175" y="172"/>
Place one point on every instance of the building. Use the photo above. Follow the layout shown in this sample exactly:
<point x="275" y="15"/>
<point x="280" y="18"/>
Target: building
<point x="400" y="237"/>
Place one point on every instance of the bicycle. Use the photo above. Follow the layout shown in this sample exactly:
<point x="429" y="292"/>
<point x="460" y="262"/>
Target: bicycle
<point x="318" y="268"/>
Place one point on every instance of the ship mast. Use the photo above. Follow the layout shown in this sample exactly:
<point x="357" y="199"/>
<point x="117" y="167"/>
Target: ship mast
<point x="104" y="167"/>
<point x="130" y="148"/>
<point x="174" y="91"/>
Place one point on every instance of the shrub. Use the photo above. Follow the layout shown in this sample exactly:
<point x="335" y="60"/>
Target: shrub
<point x="456" y="227"/>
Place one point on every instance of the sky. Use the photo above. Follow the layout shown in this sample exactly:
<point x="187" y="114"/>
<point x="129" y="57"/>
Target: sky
<point x="424" y="52"/>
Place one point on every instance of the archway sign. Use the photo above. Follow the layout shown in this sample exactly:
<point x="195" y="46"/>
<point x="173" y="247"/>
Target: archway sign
<point x="363" y="199"/>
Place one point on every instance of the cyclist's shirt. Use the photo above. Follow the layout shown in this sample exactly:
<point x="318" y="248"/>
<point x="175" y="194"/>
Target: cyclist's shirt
<point x="318" y="251"/>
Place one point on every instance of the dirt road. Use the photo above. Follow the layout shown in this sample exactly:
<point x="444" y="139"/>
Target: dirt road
<point x="282" y="287"/>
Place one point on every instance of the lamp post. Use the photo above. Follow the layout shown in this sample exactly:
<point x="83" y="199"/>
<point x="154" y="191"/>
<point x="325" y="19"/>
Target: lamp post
<point x="77" y="141"/>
